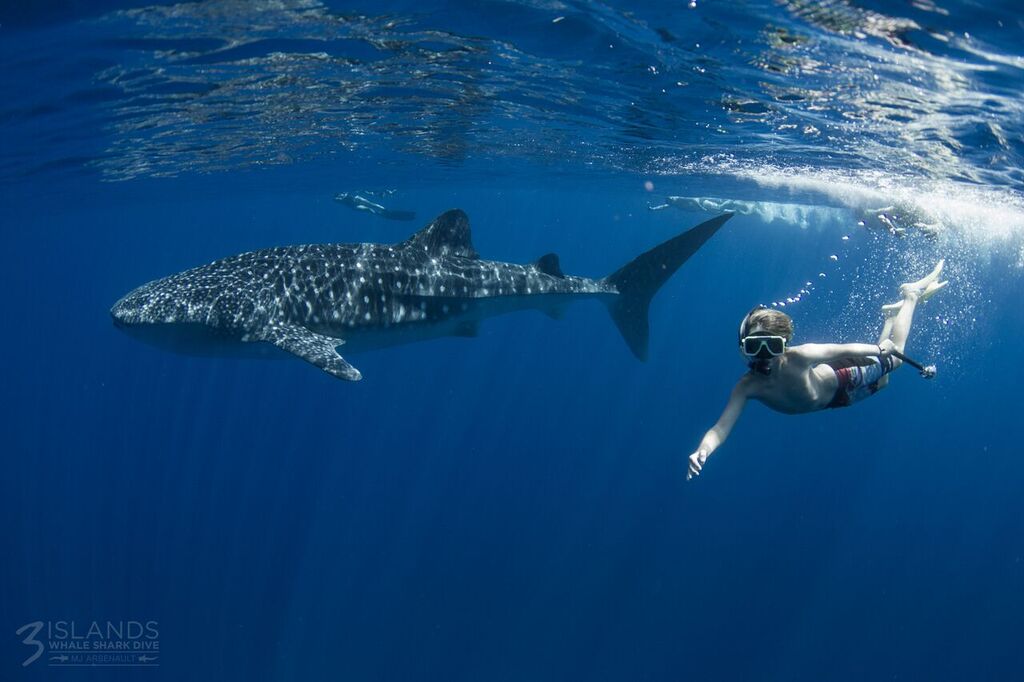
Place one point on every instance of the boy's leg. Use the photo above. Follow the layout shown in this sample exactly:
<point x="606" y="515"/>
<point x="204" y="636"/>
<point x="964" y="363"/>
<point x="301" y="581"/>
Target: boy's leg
<point x="890" y="310"/>
<point x="911" y="293"/>
<point x="899" y="316"/>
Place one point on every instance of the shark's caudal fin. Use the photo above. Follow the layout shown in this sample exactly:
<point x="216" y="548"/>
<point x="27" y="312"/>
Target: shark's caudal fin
<point x="638" y="281"/>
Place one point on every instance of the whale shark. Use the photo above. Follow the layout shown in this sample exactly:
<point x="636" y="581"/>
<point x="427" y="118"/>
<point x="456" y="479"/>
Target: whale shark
<point x="309" y="300"/>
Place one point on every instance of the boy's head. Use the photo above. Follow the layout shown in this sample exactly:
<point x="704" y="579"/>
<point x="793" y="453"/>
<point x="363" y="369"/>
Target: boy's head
<point x="767" y="322"/>
<point x="759" y="337"/>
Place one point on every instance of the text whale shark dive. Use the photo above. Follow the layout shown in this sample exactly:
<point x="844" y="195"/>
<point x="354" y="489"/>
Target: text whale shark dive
<point x="309" y="300"/>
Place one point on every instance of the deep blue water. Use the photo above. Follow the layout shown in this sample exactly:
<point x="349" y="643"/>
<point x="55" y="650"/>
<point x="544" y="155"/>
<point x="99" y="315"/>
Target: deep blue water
<point x="514" y="506"/>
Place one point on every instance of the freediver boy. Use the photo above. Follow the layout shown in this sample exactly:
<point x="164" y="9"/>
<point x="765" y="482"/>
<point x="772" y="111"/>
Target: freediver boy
<point x="812" y="376"/>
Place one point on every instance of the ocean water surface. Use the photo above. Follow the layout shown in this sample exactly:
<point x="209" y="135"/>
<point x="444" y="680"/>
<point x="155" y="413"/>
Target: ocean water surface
<point x="514" y="505"/>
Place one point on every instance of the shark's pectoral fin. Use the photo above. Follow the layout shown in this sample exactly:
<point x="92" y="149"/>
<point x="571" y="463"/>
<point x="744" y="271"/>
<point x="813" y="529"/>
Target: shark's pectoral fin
<point x="314" y="348"/>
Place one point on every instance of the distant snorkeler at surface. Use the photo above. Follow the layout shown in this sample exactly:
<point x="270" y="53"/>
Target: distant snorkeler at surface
<point x="710" y="204"/>
<point x="359" y="203"/>
<point x="897" y="219"/>
<point x="813" y="376"/>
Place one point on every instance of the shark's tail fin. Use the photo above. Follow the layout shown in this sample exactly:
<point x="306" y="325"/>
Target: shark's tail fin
<point x="638" y="281"/>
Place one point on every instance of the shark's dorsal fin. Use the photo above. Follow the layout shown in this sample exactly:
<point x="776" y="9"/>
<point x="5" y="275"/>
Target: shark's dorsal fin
<point x="548" y="264"/>
<point x="448" y="235"/>
<point x="314" y="348"/>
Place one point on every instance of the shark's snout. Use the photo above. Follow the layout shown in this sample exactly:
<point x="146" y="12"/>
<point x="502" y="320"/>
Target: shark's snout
<point x="119" y="319"/>
<point x="128" y="310"/>
<point x="119" y="313"/>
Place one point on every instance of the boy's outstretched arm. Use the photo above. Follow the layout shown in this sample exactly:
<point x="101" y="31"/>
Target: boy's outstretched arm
<point x="717" y="434"/>
<point x="816" y="353"/>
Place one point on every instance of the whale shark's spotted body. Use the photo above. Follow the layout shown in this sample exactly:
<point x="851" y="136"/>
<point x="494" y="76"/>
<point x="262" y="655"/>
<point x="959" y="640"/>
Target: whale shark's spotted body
<point x="309" y="300"/>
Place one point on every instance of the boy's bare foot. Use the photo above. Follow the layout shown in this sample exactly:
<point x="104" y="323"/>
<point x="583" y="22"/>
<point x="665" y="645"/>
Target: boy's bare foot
<point x="920" y="286"/>
<point x="892" y="309"/>
<point x="932" y="289"/>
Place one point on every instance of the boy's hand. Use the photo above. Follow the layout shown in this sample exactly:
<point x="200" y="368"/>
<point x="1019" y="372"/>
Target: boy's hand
<point x="697" y="460"/>
<point x="886" y="348"/>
